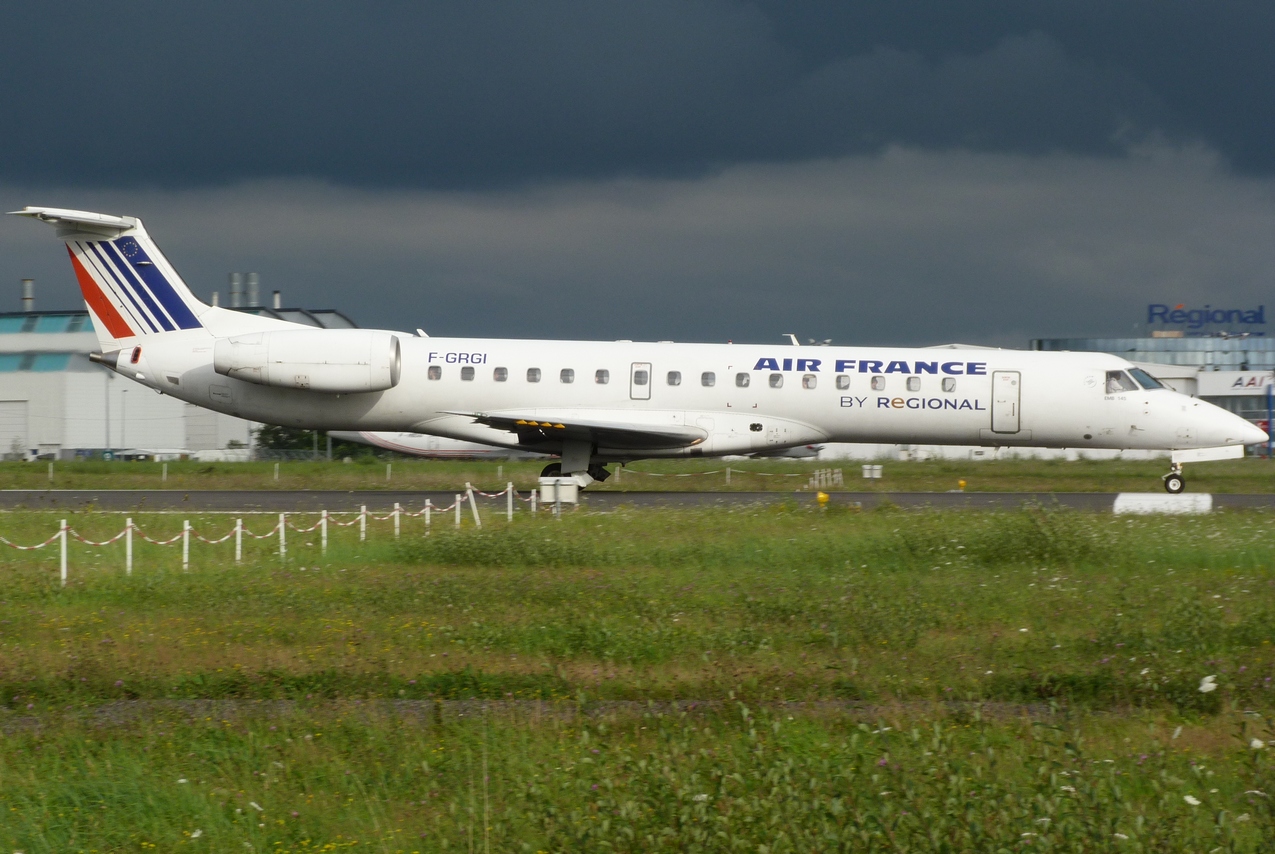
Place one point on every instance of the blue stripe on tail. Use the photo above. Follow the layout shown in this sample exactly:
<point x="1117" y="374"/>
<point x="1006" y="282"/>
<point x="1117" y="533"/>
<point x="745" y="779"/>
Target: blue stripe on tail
<point x="131" y="281"/>
<point x="162" y="321"/>
<point x="144" y="267"/>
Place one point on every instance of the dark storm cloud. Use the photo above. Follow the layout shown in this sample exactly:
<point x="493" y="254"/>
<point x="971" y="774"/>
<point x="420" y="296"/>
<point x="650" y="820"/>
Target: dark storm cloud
<point x="907" y="247"/>
<point x="498" y="94"/>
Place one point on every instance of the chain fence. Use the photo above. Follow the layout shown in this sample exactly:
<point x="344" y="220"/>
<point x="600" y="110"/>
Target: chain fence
<point x="285" y="523"/>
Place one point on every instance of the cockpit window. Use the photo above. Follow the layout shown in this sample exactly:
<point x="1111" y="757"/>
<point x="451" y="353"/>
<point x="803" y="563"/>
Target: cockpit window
<point x="1118" y="382"/>
<point x="1145" y="380"/>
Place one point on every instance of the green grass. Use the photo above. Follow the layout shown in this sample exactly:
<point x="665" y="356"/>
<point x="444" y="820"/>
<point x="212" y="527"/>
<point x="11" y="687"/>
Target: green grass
<point x="1250" y="475"/>
<point x="800" y="679"/>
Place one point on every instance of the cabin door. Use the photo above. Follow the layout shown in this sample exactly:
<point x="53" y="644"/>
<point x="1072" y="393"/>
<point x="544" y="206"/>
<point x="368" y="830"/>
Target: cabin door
<point x="1006" y="395"/>
<point x="640" y="381"/>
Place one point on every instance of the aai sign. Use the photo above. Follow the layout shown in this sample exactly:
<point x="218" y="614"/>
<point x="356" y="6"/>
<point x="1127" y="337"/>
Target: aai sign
<point x="1198" y="318"/>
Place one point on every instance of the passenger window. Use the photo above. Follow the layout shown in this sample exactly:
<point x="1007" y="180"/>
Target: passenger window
<point x="1118" y="382"/>
<point x="878" y="383"/>
<point x="843" y="381"/>
<point x="914" y="383"/>
<point x="435" y="372"/>
<point x="741" y="380"/>
<point x="602" y="376"/>
<point x="949" y="383"/>
<point x="533" y="375"/>
<point x="641" y="377"/>
<point x="809" y="381"/>
<point x="500" y="374"/>
<point x="674" y="377"/>
<point x="708" y="379"/>
<point x="567" y="375"/>
<point x="467" y="373"/>
<point x="776" y="380"/>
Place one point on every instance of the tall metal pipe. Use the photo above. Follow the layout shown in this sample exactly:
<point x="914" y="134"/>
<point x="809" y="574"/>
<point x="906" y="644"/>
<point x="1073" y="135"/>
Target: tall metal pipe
<point x="28" y="294"/>
<point x="254" y="292"/>
<point x="236" y="290"/>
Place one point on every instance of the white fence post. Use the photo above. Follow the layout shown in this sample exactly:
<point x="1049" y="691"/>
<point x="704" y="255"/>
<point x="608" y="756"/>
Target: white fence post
<point x="50" y="474"/>
<point x="428" y="507"/>
<point x="388" y="466"/>
<point x="362" y="522"/>
<point x="185" y="544"/>
<point x="473" y="505"/>
<point x="396" y="523"/>
<point x="509" y="501"/>
<point x="239" y="541"/>
<point x="728" y="475"/>
<point x="534" y="493"/>
<point x="457" y="505"/>
<point x="276" y="472"/>
<point x="163" y="478"/>
<point x="283" y="536"/>
<point x="128" y="546"/>
<point x="62" y="538"/>
<point x="323" y="532"/>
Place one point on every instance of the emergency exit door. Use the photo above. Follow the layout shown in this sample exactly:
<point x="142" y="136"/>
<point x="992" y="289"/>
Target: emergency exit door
<point x="640" y="381"/>
<point x="1006" y="396"/>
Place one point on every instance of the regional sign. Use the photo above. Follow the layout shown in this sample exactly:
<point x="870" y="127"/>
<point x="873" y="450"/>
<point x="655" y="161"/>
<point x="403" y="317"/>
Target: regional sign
<point x="1246" y="319"/>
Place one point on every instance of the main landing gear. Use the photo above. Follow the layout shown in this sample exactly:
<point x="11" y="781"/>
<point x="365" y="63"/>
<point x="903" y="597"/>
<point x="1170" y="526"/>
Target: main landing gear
<point x="1173" y="481"/>
<point x="596" y="472"/>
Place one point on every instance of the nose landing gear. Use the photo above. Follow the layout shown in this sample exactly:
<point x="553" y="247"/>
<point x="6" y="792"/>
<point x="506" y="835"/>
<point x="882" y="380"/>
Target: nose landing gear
<point x="1173" y="481"/>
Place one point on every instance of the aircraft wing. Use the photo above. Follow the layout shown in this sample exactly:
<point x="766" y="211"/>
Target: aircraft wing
<point x="613" y="430"/>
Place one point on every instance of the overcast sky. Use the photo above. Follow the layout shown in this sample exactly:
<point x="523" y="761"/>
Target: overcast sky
<point x="911" y="172"/>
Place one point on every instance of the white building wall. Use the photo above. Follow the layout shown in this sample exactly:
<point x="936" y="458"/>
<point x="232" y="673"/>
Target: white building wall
<point x="45" y="408"/>
<point x="68" y="411"/>
<point x="85" y="420"/>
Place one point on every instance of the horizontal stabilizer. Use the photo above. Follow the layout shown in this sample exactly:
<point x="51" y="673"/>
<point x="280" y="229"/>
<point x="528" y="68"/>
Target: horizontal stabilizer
<point x="96" y="221"/>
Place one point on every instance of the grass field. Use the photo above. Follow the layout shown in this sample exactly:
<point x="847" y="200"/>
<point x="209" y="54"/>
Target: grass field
<point x="1250" y="475"/>
<point x="664" y="680"/>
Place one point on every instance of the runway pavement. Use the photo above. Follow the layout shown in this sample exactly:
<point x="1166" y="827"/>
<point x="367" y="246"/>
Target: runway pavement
<point x="289" y="501"/>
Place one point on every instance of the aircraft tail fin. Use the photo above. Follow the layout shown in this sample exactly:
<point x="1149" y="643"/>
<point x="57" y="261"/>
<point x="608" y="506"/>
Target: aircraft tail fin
<point x="128" y="285"/>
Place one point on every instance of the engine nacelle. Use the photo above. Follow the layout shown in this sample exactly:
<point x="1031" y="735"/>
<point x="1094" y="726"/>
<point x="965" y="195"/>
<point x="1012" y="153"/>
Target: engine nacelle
<point x="339" y="361"/>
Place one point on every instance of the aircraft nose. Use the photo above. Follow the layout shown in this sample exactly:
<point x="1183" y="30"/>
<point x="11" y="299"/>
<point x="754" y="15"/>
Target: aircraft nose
<point x="1226" y="428"/>
<point x="1254" y="435"/>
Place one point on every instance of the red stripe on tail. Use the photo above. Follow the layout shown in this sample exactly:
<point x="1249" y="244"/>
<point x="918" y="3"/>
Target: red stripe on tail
<point x="97" y="301"/>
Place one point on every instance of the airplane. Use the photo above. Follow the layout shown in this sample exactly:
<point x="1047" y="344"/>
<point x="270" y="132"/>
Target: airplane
<point x="595" y="403"/>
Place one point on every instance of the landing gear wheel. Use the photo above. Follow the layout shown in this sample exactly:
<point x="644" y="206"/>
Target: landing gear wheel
<point x="552" y="470"/>
<point x="1173" y="484"/>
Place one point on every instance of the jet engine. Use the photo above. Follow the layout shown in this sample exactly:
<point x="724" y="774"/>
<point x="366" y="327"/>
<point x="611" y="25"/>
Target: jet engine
<point x="337" y="361"/>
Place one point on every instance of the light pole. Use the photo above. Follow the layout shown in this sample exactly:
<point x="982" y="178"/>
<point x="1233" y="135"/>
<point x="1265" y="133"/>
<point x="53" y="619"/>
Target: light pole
<point x="106" y="387"/>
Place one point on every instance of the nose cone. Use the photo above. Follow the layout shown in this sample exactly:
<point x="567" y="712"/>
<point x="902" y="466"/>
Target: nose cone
<point x="1254" y="435"/>
<point x="1226" y="428"/>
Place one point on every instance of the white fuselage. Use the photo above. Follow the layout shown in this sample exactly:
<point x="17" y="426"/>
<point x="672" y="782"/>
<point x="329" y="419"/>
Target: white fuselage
<point x="791" y="395"/>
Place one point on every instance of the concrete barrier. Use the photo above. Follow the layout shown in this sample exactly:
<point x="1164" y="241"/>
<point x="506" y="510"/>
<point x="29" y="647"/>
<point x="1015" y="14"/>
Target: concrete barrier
<point x="1153" y="502"/>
